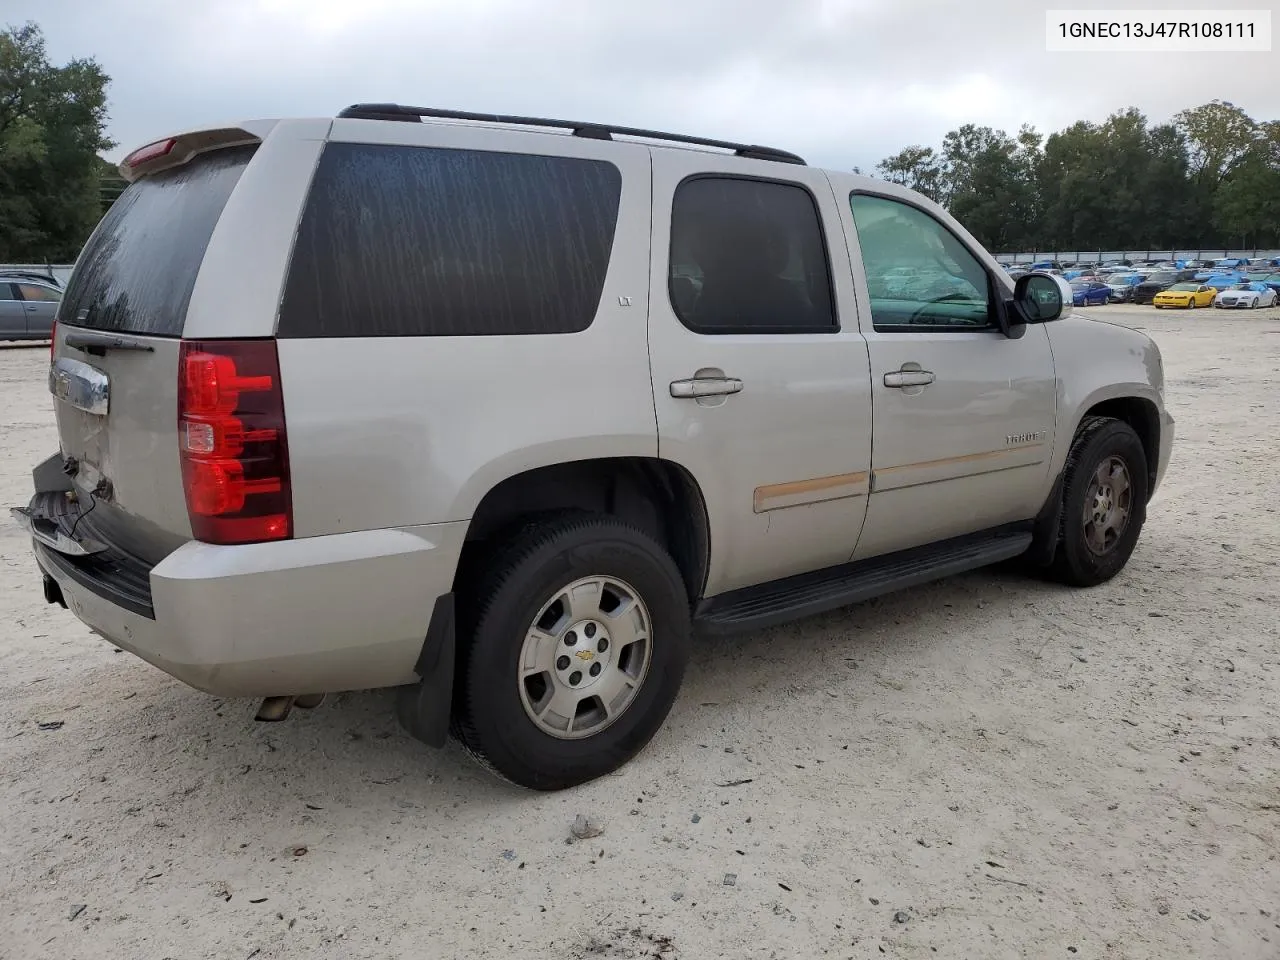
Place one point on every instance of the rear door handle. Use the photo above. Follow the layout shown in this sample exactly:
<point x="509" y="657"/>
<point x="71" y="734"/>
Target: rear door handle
<point x="908" y="378"/>
<point x="705" y="387"/>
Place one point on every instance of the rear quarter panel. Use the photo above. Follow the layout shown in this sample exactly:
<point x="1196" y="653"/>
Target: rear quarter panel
<point x="395" y="431"/>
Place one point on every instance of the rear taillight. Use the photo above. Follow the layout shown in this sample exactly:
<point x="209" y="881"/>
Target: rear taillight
<point x="231" y="437"/>
<point x="53" y="339"/>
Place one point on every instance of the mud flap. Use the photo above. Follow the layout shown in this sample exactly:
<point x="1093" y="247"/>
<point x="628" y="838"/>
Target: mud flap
<point x="1047" y="530"/>
<point x="424" y="707"/>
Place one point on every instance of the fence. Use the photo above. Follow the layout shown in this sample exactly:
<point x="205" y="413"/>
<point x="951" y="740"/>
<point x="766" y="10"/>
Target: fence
<point x="59" y="271"/>
<point x="1098" y="256"/>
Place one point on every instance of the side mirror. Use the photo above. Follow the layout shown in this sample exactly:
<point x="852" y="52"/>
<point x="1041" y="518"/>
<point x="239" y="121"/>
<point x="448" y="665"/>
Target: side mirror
<point x="1038" y="298"/>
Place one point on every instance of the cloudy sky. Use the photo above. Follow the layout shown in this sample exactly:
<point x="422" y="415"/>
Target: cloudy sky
<point x="842" y="82"/>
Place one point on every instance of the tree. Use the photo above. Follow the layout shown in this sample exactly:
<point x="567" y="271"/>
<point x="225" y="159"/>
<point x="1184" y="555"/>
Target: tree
<point x="1247" y="202"/>
<point x="52" y="127"/>
<point x="917" y="168"/>
<point x="1218" y="135"/>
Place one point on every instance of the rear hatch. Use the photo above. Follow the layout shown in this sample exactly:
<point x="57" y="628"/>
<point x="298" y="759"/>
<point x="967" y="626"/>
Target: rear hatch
<point x="116" y="352"/>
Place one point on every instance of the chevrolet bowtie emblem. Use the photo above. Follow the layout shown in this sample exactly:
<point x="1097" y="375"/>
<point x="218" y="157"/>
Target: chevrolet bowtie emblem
<point x="585" y="655"/>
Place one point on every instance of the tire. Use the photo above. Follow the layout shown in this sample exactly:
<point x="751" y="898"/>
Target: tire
<point x="1099" y="440"/>
<point x="524" y="586"/>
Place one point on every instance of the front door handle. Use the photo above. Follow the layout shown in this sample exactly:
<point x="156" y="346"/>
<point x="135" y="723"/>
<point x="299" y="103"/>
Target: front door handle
<point x="696" y="387"/>
<point x="908" y="378"/>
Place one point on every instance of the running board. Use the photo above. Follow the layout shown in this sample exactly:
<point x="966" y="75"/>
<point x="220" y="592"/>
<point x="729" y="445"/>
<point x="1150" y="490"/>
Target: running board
<point x="753" y="608"/>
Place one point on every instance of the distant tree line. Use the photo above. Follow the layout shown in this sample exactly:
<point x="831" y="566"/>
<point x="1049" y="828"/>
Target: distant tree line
<point x="1209" y="178"/>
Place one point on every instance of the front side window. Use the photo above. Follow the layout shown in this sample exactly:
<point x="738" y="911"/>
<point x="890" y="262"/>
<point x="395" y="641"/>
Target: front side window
<point x="748" y="256"/>
<point x="948" y="287"/>
<point x="7" y="292"/>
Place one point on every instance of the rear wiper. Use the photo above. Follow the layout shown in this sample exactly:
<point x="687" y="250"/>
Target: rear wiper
<point x="100" y="343"/>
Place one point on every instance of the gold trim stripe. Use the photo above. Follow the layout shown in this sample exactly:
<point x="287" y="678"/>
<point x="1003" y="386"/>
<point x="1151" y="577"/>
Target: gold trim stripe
<point x="964" y="458"/>
<point x="799" y="492"/>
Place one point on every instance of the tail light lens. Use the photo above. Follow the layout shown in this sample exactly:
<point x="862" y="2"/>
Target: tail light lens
<point x="231" y="436"/>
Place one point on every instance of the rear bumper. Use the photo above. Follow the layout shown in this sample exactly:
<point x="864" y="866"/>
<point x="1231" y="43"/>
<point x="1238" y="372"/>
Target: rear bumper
<point x="316" y="615"/>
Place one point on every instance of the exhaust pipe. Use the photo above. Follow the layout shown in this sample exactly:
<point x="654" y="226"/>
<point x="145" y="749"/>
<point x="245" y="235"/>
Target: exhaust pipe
<point x="274" y="709"/>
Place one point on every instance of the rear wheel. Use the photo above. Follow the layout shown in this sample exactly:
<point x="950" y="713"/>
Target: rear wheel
<point x="581" y="636"/>
<point x="1104" y="503"/>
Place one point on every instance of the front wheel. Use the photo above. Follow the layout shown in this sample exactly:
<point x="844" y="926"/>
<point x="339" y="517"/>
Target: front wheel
<point x="580" y="641"/>
<point x="1104" y="503"/>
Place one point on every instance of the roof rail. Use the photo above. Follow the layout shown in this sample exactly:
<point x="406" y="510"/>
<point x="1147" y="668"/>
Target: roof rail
<point x="593" y="131"/>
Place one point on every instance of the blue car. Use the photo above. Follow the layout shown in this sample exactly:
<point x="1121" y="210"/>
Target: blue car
<point x="1086" y="292"/>
<point x="1220" y="281"/>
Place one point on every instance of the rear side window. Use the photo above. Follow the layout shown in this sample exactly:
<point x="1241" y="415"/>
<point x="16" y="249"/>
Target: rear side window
<point x="402" y="241"/>
<point x="139" y="266"/>
<point x="747" y="256"/>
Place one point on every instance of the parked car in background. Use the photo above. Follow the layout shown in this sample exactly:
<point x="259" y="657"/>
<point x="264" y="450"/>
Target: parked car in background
<point x="1264" y="262"/>
<point x="1146" y="291"/>
<point x="1248" y="296"/>
<point x="1186" y="294"/>
<point x="38" y="276"/>
<point x="1272" y="280"/>
<point x="1220" y="281"/>
<point x="27" y="306"/>
<point x="1123" y="284"/>
<point x="1087" y="292"/>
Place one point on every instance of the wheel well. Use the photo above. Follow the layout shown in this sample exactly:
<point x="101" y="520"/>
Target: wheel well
<point x="1143" y="416"/>
<point x="657" y="496"/>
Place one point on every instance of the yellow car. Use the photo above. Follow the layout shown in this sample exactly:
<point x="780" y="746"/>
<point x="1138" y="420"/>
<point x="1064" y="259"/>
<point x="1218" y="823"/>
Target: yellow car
<point x="1186" y="295"/>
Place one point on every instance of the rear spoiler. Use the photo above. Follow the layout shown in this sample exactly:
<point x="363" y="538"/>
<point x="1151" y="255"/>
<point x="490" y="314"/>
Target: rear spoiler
<point x="180" y="148"/>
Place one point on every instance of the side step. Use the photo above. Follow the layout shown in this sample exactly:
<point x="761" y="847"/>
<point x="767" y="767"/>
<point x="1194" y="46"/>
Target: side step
<point x="766" y="605"/>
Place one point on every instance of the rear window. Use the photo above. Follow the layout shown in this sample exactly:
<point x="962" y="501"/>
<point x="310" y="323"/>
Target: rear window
<point x="400" y="241"/>
<point x="136" y="273"/>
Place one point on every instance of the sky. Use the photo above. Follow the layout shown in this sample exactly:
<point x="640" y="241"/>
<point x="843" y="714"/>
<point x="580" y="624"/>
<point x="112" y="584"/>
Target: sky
<point x="844" y="83"/>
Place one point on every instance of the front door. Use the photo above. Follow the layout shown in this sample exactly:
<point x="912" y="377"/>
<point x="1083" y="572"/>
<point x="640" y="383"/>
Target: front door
<point x="13" y="318"/>
<point x="41" y="306"/>
<point x="964" y="416"/>
<point x="760" y="377"/>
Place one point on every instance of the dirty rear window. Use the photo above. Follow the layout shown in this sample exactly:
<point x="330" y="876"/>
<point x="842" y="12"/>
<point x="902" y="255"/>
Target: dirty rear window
<point x="136" y="273"/>
<point x="406" y="241"/>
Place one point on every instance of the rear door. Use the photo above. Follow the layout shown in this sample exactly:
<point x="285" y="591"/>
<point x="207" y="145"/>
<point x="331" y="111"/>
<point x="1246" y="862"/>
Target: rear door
<point x="115" y="364"/>
<point x="760" y="376"/>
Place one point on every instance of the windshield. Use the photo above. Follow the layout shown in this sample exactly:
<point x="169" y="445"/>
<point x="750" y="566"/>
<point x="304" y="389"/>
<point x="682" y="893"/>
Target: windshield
<point x="1191" y="287"/>
<point x="1162" y="277"/>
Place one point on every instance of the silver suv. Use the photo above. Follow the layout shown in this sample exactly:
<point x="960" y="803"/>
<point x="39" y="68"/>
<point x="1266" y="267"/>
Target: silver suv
<point x="502" y="411"/>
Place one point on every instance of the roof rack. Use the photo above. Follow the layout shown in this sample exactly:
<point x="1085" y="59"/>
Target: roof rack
<point x="593" y="131"/>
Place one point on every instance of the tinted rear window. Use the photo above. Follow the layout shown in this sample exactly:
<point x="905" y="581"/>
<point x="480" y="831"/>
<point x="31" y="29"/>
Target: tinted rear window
<point x="418" y="241"/>
<point x="137" y="270"/>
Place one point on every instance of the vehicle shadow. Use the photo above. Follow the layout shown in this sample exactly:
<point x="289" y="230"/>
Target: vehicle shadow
<point x="205" y="760"/>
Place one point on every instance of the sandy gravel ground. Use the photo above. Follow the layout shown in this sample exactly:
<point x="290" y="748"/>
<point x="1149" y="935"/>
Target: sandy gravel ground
<point x="985" y="768"/>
